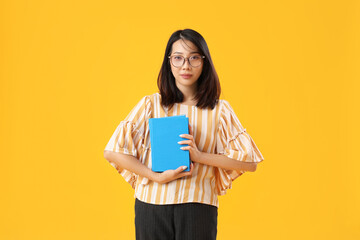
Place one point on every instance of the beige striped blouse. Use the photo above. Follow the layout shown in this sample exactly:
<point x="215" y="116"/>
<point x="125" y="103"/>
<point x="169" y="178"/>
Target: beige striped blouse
<point x="215" y="131"/>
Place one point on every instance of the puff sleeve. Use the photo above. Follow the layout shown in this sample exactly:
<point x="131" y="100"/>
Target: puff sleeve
<point x="234" y="142"/>
<point x="128" y="137"/>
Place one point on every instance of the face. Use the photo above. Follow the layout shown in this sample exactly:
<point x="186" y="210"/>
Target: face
<point x="185" y="49"/>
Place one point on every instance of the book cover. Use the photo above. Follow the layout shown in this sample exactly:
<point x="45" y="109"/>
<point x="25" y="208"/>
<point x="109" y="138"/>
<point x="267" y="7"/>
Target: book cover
<point x="165" y="149"/>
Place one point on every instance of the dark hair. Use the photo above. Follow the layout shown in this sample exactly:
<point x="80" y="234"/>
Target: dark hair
<point x="208" y="85"/>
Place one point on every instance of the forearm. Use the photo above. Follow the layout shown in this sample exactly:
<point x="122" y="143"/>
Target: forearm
<point x="225" y="162"/>
<point x="131" y="163"/>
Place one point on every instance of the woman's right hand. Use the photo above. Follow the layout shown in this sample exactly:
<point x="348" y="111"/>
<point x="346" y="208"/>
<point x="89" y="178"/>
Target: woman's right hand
<point x="170" y="175"/>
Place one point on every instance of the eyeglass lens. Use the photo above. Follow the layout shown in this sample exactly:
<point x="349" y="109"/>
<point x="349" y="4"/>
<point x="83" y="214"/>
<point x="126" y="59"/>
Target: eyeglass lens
<point x="178" y="61"/>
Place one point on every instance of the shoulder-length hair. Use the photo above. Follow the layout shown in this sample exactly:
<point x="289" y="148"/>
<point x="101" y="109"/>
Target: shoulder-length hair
<point x="208" y="85"/>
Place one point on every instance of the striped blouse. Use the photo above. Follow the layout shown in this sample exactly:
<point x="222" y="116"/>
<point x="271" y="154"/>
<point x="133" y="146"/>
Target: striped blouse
<point x="216" y="131"/>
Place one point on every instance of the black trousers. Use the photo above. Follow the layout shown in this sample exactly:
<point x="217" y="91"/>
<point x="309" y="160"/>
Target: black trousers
<point x="188" y="221"/>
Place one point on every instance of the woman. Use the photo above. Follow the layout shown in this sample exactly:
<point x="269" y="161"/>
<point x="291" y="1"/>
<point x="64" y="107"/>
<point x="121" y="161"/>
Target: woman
<point x="178" y="204"/>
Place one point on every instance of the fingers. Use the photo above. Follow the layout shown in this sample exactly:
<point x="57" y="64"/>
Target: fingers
<point x="186" y="148"/>
<point x="186" y="142"/>
<point x="191" y="168"/>
<point x="187" y="136"/>
<point x="177" y="173"/>
<point x="182" y="174"/>
<point x="170" y="175"/>
<point x="190" y="143"/>
<point x="190" y="130"/>
<point x="180" y="169"/>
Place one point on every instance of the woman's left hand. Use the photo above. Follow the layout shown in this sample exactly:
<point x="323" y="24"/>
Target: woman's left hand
<point x="195" y="154"/>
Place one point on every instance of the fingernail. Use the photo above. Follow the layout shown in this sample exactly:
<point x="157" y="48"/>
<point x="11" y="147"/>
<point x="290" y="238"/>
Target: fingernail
<point x="181" y="135"/>
<point x="184" y="167"/>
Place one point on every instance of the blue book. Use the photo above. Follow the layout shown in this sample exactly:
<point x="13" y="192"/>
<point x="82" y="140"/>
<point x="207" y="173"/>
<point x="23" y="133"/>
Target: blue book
<point x="165" y="149"/>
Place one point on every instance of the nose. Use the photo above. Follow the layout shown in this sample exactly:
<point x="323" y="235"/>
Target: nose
<point x="186" y="64"/>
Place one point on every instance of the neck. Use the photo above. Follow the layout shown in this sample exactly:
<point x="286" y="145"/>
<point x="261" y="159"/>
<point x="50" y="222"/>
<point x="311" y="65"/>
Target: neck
<point x="189" y="94"/>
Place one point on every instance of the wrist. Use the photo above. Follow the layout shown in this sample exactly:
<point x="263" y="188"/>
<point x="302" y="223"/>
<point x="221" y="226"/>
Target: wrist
<point x="154" y="176"/>
<point x="201" y="156"/>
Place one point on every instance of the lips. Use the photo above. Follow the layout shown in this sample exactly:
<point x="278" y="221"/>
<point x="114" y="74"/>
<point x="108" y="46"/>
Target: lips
<point x="186" y="75"/>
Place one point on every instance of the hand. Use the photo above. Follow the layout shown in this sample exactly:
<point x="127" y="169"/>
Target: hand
<point x="195" y="154"/>
<point x="170" y="175"/>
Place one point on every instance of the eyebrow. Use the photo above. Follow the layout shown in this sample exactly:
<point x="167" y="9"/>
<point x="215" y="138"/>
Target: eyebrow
<point x="181" y="52"/>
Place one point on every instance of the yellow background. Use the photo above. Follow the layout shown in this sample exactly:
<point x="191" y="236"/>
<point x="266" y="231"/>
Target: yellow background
<point x="72" y="70"/>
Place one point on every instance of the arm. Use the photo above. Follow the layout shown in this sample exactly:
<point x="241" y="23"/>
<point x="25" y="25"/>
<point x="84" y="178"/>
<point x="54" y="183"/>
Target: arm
<point x="212" y="159"/>
<point x="132" y="164"/>
<point x="225" y="162"/>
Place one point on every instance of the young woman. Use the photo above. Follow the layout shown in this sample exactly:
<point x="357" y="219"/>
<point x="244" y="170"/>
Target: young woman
<point x="178" y="204"/>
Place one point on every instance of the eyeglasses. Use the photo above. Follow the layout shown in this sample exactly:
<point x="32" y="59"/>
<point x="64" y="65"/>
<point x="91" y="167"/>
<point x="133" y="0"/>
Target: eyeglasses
<point x="179" y="61"/>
